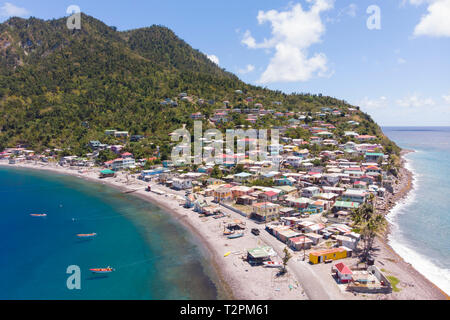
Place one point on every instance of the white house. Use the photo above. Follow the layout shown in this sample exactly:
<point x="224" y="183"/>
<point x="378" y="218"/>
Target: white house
<point x="181" y="184"/>
<point x="123" y="163"/>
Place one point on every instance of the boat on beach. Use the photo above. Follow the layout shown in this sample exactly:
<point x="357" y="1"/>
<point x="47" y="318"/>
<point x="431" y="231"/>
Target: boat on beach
<point x="38" y="214"/>
<point x="236" y="235"/>
<point x="86" y="235"/>
<point x="272" y="264"/>
<point x="102" y="270"/>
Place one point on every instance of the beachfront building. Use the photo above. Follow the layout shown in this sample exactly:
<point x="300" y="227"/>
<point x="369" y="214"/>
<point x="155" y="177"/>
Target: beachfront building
<point x="265" y="211"/>
<point x="257" y="256"/>
<point x="343" y="273"/>
<point x="223" y="194"/>
<point x="327" y="254"/>
<point x="107" y="173"/>
<point x="122" y="163"/>
<point x="181" y="184"/>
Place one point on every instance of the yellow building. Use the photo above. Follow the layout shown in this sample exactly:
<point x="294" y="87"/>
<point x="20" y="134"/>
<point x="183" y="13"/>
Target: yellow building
<point x="266" y="211"/>
<point x="328" y="254"/>
<point x="222" y="194"/>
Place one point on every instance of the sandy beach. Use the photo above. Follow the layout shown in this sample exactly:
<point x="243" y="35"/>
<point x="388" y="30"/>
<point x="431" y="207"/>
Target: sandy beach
<point x="237" y="277"/>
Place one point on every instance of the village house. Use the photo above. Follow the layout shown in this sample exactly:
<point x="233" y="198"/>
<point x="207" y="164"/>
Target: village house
<point x="300" y="243"/>
<point x="345" y="205"/>
<point x="343" y="273"/>
<point x="354" y="195"/>
<point x="181" y="184"/>
<point x="239" y="191"/>
<point x="373" y="156"/>
<point x="123" y="163"/>
<point x="223" y="194"/>
<point x="265" y="211"/>
<point x="327" y="254"/>
<point x="310" y="192"/>
<point x="242" y="177"/>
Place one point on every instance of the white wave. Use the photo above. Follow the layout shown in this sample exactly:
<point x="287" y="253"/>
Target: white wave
<point x="425" y="265"/>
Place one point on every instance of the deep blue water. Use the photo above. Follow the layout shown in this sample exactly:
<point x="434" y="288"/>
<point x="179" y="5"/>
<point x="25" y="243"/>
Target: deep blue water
<point x="154" y="256"/>
<point x="422" y="222"/>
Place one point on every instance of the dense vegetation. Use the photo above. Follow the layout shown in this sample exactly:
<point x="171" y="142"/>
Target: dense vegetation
<point x="61" y="88"/>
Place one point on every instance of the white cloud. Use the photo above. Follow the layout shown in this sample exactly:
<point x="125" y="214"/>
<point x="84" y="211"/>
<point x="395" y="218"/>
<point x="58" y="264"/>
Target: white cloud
<point x="446" y="98"/>
<point x="414" y="100"/>
<point x="436" y="22"/>
<point x="249" y="68"/>
<point x="367" y="103"/>
<point x="213" y="58"/>
<point x="10" y="10"/>
<point x="293" y="32"/>
<point x="350" y="10"/>
<point x="401" y="61"/>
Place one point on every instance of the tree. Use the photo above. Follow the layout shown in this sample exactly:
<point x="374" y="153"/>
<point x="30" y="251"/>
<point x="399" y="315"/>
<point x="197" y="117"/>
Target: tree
<point x="287" y="256"/>
<point x="216" y="172"/>
<point x="370" y="225"/>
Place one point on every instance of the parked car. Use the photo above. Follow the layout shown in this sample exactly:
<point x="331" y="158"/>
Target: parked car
<point x="255" y="232"/>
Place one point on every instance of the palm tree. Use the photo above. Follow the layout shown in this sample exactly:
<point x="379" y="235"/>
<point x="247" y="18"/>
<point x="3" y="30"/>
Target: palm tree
<point x="370" y="225"/>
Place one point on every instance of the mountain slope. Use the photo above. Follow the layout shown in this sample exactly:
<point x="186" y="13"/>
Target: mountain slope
<point x="62" y="88"/>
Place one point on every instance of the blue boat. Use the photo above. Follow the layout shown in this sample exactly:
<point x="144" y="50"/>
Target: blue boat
<point x="234" y="236"/>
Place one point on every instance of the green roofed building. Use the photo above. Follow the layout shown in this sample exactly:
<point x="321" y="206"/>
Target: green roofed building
<point x="107" y="173"/>
<point x="259" y="254"/>
<point x="345" y="205"/>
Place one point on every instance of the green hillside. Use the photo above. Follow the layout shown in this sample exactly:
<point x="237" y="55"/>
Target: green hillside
<point x="62" y="88"/>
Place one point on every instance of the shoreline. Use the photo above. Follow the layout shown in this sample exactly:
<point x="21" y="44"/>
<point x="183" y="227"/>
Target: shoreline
<point x="234" y="283"/>
<point x="231" y="274"/>
<point x="406" y="271"/>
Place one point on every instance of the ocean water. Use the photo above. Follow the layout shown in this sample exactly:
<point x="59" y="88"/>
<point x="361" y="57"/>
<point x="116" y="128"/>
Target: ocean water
<point x="421" y="222"/>
<point x="154" y="256"/>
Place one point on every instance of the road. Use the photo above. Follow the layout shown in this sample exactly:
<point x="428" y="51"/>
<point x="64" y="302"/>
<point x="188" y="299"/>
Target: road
<point x="315" y="285"/>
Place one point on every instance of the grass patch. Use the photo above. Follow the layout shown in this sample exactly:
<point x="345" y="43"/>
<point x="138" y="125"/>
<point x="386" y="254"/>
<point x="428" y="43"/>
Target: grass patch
<point x="394" y="282"/>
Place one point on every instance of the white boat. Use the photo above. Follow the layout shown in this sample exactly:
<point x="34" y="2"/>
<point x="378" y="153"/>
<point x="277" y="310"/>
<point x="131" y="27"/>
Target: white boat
<point x="272" y="264"/>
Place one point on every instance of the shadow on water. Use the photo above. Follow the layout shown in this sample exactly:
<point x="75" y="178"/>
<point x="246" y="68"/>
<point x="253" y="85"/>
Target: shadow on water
<point x="97" y="277"/>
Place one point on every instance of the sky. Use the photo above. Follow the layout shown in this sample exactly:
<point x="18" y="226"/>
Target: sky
<point x="390" y="57"/>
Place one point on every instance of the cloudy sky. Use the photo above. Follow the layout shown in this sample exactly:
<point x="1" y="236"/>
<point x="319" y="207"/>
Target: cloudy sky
<point x="390" y="57"/>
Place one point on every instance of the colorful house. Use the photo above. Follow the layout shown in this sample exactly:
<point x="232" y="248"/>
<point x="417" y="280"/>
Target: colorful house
<point x="328" y="254"/>
<point x="265" y="211"/>
<point x="222" y="194"/>
<point x="343" y="273"/>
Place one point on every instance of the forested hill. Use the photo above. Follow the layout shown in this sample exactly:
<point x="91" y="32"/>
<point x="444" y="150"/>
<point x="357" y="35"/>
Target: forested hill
<point x="62" y="88"/>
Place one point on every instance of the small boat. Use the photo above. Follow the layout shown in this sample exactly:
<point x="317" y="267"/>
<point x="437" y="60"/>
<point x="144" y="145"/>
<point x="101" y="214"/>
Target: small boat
<point x="86" y="235"/>
<point x="227" y="233"/>
<point x="38" y="214"/>
<point x="227" y="254"/>
<point x="272" y="264"/>
<point x="234" y="236"/>
<point x="102" y="270"/>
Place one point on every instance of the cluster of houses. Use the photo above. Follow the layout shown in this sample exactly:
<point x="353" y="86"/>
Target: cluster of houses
<point x="306" y="203"/>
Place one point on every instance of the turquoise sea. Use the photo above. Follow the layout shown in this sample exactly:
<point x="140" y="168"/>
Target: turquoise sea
<point x="155" y="257"/>
<point x="421" y="222"/>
